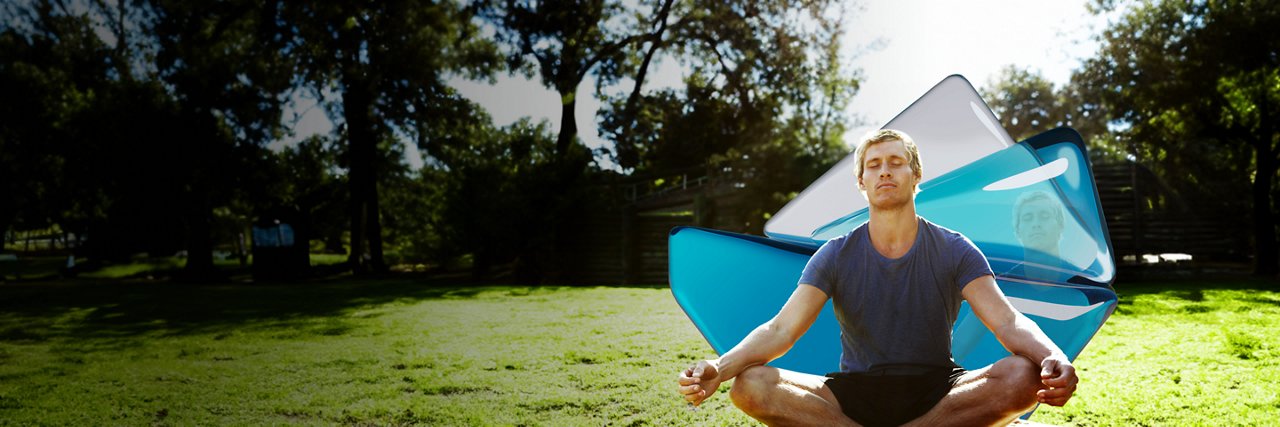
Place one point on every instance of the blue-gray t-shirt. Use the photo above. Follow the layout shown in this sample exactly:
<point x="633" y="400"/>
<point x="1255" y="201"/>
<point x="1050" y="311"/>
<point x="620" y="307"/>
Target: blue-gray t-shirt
<point x="896" y="311"/>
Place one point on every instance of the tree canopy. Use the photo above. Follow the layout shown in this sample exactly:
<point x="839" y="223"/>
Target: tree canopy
<point x="145" y="124"/>
<point x="388" y="61"/>
<point x="1194" y="89"/>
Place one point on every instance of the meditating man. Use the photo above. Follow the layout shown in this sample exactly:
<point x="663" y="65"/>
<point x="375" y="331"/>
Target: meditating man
<point x="896" y="283"/>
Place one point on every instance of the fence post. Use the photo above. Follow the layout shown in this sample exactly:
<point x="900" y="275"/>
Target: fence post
<point x="704" y="210"/>
<point x="630" y="245"/>
<point x="1137" y="213"/>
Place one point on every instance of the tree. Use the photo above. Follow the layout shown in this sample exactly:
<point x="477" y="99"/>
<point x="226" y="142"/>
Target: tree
<point x="497" y="198"/>
<point x="83" y="114"/>
<point x="230" y="77"/>
<point x="51" y="65"/>
<point x="1025" y="102"/>
<point x="388" y="60"/>
<point x="762" y="105"/>
<point x="1195" y="88"/>
<point x="315" y="184"/>
<point x="567" y="41"/>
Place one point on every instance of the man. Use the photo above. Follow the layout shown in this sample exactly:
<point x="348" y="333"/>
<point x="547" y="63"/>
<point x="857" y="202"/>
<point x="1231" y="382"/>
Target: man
<point x="1038" y="222"/>
<point x="896" y="282"/>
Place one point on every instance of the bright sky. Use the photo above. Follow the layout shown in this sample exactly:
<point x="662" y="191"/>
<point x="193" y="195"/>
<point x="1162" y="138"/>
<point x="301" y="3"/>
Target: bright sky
<point x="917" y="43"/>
<point x="926" y="41"/>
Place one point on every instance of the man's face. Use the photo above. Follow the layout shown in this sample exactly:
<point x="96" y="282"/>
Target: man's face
<point x="1038" y="226"/>
<point x="887" y="179"/>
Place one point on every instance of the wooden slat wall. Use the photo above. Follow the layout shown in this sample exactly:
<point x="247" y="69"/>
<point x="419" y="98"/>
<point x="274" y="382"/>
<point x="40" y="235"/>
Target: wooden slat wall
<point x="1136" y="230"/>
<point x="597" y="254"/>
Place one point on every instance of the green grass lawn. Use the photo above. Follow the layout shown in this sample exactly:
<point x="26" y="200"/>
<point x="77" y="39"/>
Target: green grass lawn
<point x="393" y="352"/>
<point x="1182" y="354"/>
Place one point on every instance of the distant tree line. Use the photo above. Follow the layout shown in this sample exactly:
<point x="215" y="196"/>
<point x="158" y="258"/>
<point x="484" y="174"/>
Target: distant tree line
<point x="1189" y="90"/>
<point x="143" y="125"/>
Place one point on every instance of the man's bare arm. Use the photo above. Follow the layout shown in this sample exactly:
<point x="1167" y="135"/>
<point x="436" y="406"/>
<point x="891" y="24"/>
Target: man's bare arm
<point x="772" y="339"/>
<point x="1023" y="337"/>
<point x="768" y="341"/>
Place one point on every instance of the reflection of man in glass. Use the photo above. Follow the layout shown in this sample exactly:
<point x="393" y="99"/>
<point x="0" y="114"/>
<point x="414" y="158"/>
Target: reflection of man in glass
<point x="1037" y="220"/>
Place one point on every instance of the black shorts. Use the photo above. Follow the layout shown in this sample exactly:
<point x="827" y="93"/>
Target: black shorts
<point x="892" y="395"/>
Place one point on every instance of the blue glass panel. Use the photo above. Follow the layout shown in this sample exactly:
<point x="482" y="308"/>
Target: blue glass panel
<point x="950" y="123"/>
<point x="1031" y="208"/>
<point x="1057" y="272"/>
<point x="730" y="283"/>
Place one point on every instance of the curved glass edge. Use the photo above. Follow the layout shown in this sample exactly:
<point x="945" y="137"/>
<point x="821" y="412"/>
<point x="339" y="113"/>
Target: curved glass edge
<point x="1069" y="315"/>
<point x="950" y="122"/>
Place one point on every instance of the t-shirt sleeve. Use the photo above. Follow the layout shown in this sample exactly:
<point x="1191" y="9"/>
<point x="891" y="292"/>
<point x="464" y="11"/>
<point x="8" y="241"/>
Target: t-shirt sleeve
<point x="818" y="272"/>
<point x="971" y="263"/>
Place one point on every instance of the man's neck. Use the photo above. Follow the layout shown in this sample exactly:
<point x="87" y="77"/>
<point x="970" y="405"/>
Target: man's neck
<point x="893" y="231"/>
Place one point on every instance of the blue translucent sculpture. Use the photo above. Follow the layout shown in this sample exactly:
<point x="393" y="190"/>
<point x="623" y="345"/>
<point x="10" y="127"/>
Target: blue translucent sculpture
<point x="1060" y="276"/>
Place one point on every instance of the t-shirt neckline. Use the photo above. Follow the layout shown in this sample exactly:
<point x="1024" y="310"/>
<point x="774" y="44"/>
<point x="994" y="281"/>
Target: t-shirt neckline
<point x="884" y="259"/>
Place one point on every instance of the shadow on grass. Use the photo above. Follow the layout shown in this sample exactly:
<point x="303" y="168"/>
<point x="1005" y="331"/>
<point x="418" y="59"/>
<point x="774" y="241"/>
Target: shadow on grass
<point x="39" y="311"/>
<point x="1192" y="290"/>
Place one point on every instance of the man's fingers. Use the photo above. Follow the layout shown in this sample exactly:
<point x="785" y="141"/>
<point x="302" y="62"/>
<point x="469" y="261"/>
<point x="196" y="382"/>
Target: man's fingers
<point x="1054" y="393"/>
<point x="1060" y="382"/>
<point x="1049" y="368"/>
<point x="1065" y="378"/>
<point x="690" y="389"/>
<point x="1060" y="378"/>
<point x="1057" y="401"/>
<point x="1055" y="396"/>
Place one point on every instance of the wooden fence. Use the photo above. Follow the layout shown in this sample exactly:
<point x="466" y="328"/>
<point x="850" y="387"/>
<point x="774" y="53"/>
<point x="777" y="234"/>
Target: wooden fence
<point x="628" y="244"/>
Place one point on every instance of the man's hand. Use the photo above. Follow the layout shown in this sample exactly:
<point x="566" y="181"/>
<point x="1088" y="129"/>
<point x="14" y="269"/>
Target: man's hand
<point x="1060" y="380"/>
<point x="700" y="381"/>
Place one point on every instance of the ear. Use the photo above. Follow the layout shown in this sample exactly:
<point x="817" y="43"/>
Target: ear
<point x="861" y="185"/>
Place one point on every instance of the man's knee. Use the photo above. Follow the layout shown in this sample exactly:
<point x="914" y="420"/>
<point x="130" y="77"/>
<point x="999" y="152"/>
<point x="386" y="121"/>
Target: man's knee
<point x="1019" y="378"/>
<point x="751" y="387"/>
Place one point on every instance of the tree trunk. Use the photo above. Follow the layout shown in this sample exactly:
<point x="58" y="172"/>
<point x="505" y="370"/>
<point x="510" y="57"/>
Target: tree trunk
<point x="356" y="103"/>
<point x="366" y="225"/>
<point x="199" y="242"/>
<point x="199" y="210"/>
<point x="628" y="155"/>
<point x="568" y="123"/>
<point x="356" y="258"/>
<point x="1264" y="223"/>
<point x="373" y="220"/>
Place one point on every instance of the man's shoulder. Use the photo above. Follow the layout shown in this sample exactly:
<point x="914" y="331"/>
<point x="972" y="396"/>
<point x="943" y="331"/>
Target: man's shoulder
<point x="944" y="233"/>
<point x="841" y="249"/>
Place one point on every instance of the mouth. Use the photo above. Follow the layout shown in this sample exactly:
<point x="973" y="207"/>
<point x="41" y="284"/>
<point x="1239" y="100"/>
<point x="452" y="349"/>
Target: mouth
<point x="886" y="185"/>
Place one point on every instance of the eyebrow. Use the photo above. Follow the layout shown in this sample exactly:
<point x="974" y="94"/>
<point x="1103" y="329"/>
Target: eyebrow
<point x="890" y="157"/>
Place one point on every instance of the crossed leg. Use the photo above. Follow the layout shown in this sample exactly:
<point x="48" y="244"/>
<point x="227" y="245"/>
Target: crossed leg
<point x="781" y="397"/>
<point x="994" y="395"/>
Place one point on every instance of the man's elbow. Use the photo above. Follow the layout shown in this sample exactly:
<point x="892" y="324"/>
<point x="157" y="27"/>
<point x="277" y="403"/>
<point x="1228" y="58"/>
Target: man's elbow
<point x="1016" y="325"/>
<point x="781" y="330"/>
